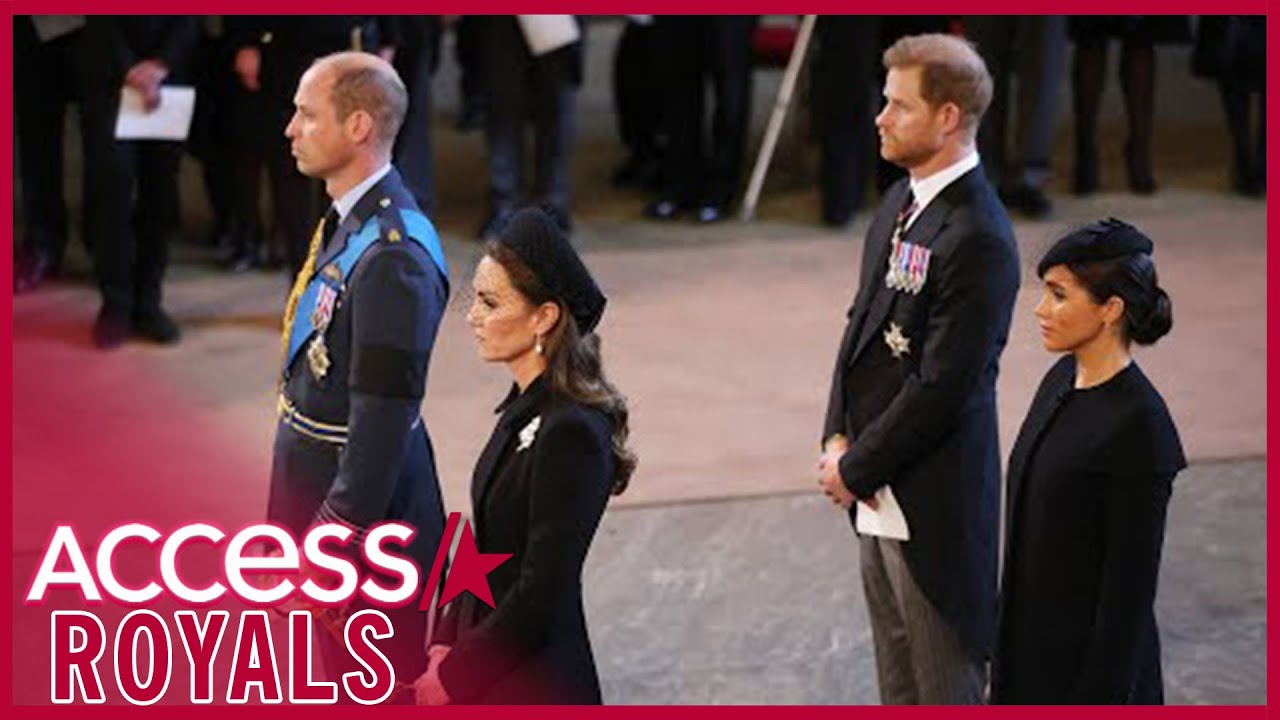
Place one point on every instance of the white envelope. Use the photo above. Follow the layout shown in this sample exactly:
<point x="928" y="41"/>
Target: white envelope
<point x="886" y="520"/>
<point x="544" y="33"/>
<point x="170" y="121"/>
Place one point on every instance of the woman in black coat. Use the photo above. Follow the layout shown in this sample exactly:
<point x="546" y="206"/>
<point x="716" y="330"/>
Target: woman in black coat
<point x="1088" y="486"/>
<point x="542" y="482"/>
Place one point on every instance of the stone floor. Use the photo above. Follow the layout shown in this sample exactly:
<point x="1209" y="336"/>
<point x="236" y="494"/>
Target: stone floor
<point x="720" y="577"/>
<point x="759" y="601"/>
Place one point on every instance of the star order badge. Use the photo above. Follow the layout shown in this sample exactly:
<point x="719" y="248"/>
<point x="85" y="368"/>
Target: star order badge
<point x="898" y="343"/>
<point x="318" y="357"/>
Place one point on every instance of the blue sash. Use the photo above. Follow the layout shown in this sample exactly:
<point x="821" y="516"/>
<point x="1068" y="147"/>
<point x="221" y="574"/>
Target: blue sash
<point x="418" y="228"/>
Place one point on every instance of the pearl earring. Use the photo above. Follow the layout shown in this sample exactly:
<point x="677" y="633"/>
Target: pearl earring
<point x="538" y="348"/>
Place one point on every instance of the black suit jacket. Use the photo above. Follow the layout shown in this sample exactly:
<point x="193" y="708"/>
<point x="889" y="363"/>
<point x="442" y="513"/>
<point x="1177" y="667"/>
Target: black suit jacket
<point x="1090" y="478"/>
<point x="539" y="490"/>
<point x="112" y="44"/>
<point x="925" y="423"/>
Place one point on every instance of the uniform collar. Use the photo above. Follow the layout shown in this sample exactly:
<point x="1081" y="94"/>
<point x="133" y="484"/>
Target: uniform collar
<point x="347" y="202"/>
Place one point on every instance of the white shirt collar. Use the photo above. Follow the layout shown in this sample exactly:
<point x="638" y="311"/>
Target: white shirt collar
<point x="349" y="199"/>
<point x="926" y="189"/>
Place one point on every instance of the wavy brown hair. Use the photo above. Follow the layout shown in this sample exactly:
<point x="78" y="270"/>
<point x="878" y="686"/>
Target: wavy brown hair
<point x="574" y="366"/>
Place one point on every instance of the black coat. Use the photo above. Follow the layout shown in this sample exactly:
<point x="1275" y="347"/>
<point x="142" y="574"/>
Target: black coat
<point x="1089" y="482"/>
<point x="539" y="490"/>
<point x="925" y="423"/>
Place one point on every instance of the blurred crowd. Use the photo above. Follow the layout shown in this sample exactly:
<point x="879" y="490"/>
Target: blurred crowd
<point x="682" y="95"/>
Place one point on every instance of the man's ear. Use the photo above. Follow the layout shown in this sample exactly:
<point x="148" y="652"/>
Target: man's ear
<point x="359" y="126"/>
<point x="952" y="117"/>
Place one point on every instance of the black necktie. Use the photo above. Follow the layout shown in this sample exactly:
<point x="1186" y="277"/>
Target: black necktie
<point x="331" y="221"/>
<point x="904" y="216"/>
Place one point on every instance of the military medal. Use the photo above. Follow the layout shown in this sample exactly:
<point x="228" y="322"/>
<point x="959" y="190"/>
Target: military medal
<point x="318" y="357"/>
<point x="891" y="278"/>
<point x="321" y="315"/>
<point x="908" y="267"/>
<point x="898" y="343"/>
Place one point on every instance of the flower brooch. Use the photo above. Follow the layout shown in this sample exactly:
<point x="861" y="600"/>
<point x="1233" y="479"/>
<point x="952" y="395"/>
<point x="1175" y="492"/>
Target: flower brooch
<point x="528" y="433"/>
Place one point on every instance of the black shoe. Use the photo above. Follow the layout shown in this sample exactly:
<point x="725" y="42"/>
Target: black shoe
<point x="1085" y="180"/>
<point x="1028" y="200"/>
<point x="711" y="213"/>
<point x="30" y="270"/>
<point x="157" y="326"/>
<point x="110" y="330"/>
<point x="1141" y="179"/>
<point x="1253" y="187"/>
<point x="663" y="209"/>
<point x="241" y="262"/>
<point x="1141" y="185"/>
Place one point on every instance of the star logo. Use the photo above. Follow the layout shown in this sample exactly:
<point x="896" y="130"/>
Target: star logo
<point x="470" y="571"/>
<point x="898" y="343"/>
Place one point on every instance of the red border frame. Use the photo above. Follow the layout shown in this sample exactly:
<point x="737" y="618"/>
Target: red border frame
<point x="589" y="7"/>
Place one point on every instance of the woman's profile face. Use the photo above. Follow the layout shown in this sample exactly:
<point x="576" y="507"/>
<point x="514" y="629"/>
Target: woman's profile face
<point x="502" y="319"/>
<point x="1069" y="317"/>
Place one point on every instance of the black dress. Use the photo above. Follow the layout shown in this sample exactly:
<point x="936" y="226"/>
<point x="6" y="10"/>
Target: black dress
<point x="539" y="490"/>
<point x="1089" y="483"/>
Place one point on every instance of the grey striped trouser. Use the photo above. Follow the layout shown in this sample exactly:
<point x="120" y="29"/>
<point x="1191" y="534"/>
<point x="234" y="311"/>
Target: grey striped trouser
<point x="919" y="657"/>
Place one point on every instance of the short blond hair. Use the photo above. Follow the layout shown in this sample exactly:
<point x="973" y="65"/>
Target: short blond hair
<point x="953" y="72"/>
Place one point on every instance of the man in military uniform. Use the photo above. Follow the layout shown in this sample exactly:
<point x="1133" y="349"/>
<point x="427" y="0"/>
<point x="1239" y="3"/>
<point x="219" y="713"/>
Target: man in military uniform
<point x="351" y="446"/>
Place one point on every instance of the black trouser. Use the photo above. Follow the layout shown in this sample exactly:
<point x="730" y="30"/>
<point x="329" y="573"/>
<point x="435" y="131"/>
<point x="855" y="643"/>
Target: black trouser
<point x="541" y="89"/>
<point x="1032" y="50"/>
<point x="469" y="51"/>
<point x="1248" y="136"/>
<point x="844" y="75"/>
<point x="637" y="93"/>
<point x="215" y="130"/>
<point x="295" y="198"/>
<point x="702" y="169"/>
<point x="43" y="84"/>
<point x="415" y="59"/>
<point x="131" y="206"/>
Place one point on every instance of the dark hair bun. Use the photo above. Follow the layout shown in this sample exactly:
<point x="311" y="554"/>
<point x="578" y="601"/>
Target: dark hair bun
<point x="1157" y="323"/>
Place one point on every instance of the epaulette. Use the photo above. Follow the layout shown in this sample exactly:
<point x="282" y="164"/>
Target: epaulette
<point x="390" y="225"/>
